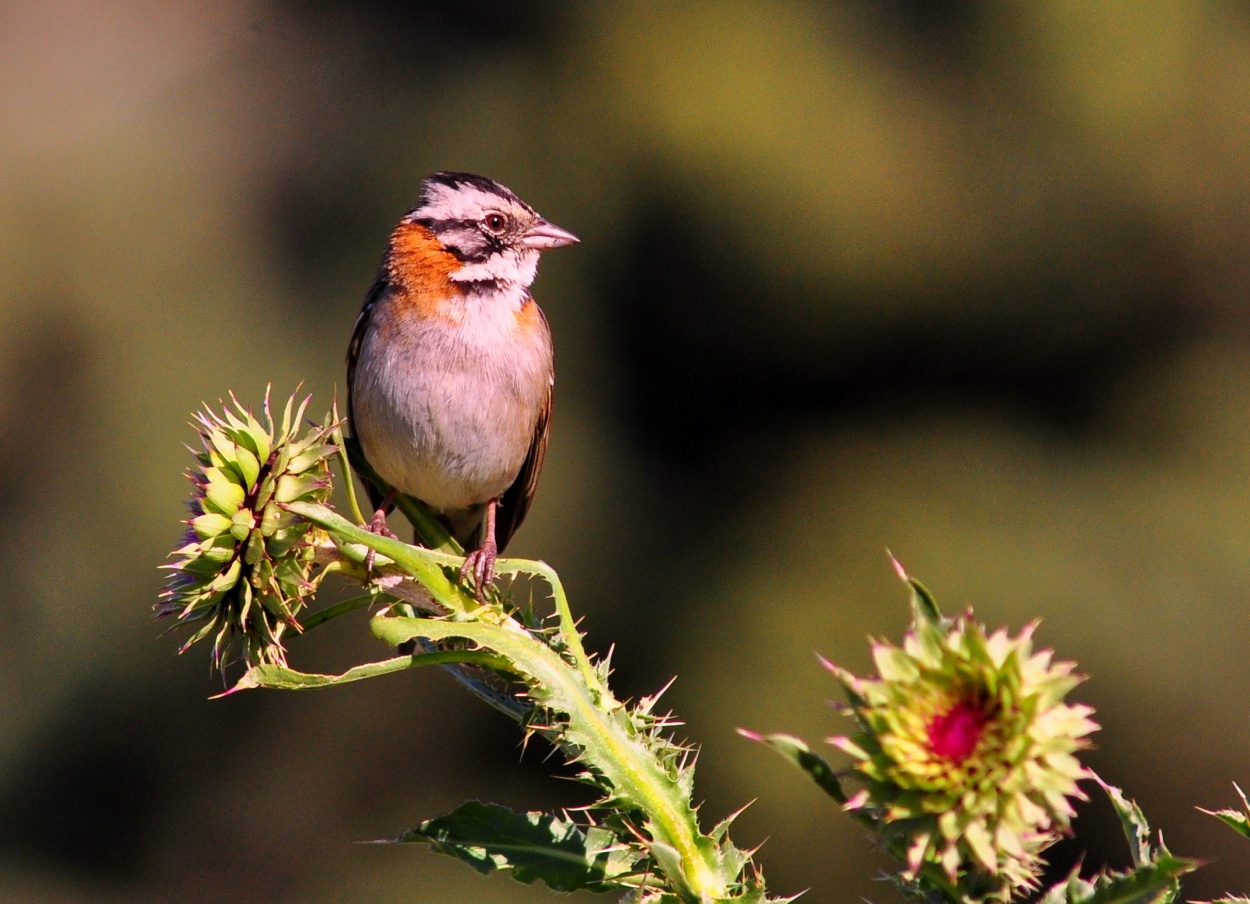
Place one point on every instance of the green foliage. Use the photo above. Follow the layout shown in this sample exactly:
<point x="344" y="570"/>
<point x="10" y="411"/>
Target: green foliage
<point x="1136" y="828"/>
<point x="797" y="753"/>
<point x="963" y="749"/>
<point x="1153" y="879"/>
<point x="534" y="846"/>
<point x="1237" y="820"/>
<point x="1154" y="883"/>
<point x="645" y="778"/>
<point x="641" y="836"/>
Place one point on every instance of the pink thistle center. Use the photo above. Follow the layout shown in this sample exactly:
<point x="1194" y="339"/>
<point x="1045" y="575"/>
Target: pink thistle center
<point x="954" y="734"/>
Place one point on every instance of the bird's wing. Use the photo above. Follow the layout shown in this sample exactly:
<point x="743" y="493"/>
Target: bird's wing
<point x="515" y="502"/>
<point x="376" y="291"/>
<point x="379" y="286"/>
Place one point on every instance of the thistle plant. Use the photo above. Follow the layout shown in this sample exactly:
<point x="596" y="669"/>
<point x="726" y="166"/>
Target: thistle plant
<point x="962" y="758"/>
<point x="965" y="755"/>
<point x="261" y="539"/>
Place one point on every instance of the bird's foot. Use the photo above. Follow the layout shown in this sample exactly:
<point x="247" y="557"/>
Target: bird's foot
<point x="480" y="566"/>
<point x="377" y="525"/>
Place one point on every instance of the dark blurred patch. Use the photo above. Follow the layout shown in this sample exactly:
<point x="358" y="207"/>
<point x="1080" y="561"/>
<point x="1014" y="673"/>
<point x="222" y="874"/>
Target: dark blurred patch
<point x="84" y="799"/>
<point x="936" y="20"/>
<point x="43" y="416"/>
<point x="697" y="378"/>
<point x="47" y="419"/>
<point x="431" y="36"/>
<point x="709" y="396"/>
<point x="317" y="222"/>
<point x="932" y="38"/>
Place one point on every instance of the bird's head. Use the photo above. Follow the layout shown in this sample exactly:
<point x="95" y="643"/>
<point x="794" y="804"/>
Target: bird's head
<point x="494" y="235"/>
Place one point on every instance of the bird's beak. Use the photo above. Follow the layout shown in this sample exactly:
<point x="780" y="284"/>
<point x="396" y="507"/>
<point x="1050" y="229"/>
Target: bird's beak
<point x="543" y="236"/>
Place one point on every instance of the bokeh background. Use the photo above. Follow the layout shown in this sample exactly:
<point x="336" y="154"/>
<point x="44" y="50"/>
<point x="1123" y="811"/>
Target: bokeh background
<point x="964" y="280"/>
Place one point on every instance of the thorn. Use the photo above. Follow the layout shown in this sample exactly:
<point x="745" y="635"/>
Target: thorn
<point x="660" y="693"/>
<point x="898" y="567"/>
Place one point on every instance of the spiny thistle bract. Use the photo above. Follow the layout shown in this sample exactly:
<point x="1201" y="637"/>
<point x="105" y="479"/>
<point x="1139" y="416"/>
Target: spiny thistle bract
<point x="967" y="752"/>
<point x="245" y="563"/>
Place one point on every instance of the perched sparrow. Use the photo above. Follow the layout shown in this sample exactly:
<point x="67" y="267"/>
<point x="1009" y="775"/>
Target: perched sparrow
<point x="450" y="371"/>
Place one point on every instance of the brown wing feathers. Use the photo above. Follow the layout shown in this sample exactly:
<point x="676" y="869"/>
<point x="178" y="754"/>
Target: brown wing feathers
<point x="353" y="353"/>
<point x="514" y="505"/>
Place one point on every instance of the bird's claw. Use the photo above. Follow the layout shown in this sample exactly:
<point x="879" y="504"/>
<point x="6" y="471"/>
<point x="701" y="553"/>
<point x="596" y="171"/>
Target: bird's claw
<point x="377" y="525"/>
<point x="480" y="566"/>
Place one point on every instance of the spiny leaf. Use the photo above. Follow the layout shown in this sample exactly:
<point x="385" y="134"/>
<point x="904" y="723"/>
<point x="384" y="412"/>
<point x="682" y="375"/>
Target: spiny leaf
<point x="923" y="602"/>
<point x="1239" y="822"/>
<point x="628" y="771"/>
<point x="534" y="846"/>
<point x="1153" y="883"/>
<point x="1154" y="879"/>
<point x="1133" y="821"/>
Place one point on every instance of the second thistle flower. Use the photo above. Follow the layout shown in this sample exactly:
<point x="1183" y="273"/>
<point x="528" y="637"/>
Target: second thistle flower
<point x="967" y="751"/>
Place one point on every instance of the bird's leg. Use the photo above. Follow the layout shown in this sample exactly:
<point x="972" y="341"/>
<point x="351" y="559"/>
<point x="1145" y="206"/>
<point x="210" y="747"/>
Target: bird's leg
<point x="377" y="525"/>
<point x="481" y="562"/>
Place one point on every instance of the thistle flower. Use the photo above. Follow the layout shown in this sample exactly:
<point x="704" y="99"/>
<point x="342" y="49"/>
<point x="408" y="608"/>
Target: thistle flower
<point x="966" y="750"/>
<point x="245" y="563"/>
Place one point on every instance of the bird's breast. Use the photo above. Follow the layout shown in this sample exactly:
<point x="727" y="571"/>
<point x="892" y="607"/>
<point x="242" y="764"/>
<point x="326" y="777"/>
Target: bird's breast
<point x="446" y="407"/>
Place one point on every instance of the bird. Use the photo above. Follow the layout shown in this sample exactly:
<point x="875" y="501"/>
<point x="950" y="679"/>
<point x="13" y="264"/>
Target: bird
<point x="450" y="368"/>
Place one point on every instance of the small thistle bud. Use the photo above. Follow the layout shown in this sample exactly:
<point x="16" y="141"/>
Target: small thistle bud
<point x="244" y="565"/>
<point x="966" y="749"/>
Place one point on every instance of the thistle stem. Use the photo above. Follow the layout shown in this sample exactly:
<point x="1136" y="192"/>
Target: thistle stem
<point x="607" y="744"/>
<point x="568" y="627"/>
<point x="324" y="615"/>
<point x="345" y="463"/>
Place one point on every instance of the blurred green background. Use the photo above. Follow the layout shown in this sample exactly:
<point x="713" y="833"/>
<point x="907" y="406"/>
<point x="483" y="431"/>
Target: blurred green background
<point x="967" y="280"/>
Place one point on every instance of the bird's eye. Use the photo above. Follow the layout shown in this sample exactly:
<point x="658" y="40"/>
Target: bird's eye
<point x="495" y="223"/>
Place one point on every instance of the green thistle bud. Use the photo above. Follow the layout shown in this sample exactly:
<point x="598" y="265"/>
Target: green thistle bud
<point x="966" y="751"/>
<point x="244" y="566"/>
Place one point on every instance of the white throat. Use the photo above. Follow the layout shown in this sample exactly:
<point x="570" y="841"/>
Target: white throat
<point x="516" y="268"/>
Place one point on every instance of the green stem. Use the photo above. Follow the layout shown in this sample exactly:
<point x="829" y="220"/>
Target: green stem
<point x="568" y="627"/>
<point x="422" y="564"/>
<point x="324" y="615"/>
<point x="606" y="745"/>
<point x="344" y="462"/>
<point x="283" y="678"/>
